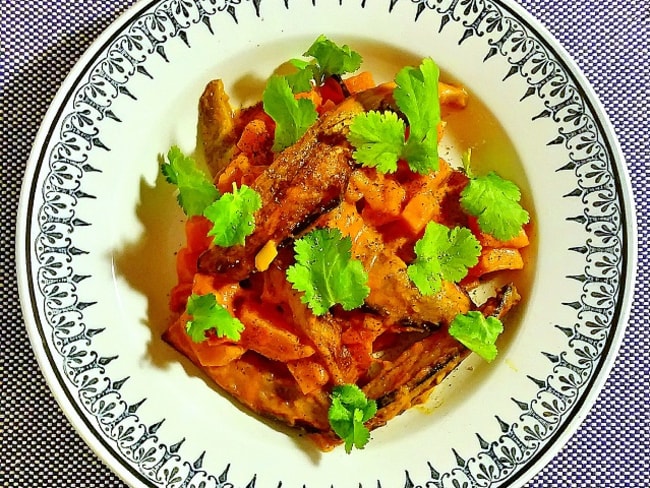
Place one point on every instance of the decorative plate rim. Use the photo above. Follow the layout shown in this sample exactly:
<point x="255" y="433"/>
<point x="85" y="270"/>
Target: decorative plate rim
<point x="26" y="256"/>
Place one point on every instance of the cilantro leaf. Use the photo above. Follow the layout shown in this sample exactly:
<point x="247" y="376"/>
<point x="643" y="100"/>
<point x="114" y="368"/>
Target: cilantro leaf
<point x="326" y="272"/>
<point x="477" y="332"/>
<point x="233" y="216"/>
<point x="416" y="95"/>
<point x="207" y="314"/>
<point x="195" y="190"/>
<point x="348" y="412"/>
<point x="292" y="116"/>
<point x="495" y="202"/>
<point x="332" y="59"/>
<point x="300" y="81"/>
<point x="328" y="59"/>
<point x="442" y="253"/>
<point x="378" y="139"/>
<point x="422" y="153"/>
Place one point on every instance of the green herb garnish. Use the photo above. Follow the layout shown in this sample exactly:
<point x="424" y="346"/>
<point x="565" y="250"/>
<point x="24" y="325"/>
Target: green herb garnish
<point x="195" y="190"/>
<point x="349" y="410"/>
<point x="442" y="253"/>
<point x="380" y="141"/>
<point x="233" y="216"/>
<point x="326" y="273"/>
<point x="207" y="314"/>
<point x="495" y="203"/>
<point x="416" y="96"/>
<point x="477" y="332"/>
<point x="292" y="116"/>
<point x="330" y="59"/>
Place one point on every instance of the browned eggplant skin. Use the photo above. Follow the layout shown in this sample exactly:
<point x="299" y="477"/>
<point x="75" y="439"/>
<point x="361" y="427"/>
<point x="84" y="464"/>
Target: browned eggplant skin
<point x="216" y="126"/>
<point x="303" y="178"/>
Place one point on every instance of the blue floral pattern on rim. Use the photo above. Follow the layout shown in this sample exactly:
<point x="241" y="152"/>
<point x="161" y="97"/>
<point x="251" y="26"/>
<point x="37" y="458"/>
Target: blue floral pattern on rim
<point x="596" y="310"/>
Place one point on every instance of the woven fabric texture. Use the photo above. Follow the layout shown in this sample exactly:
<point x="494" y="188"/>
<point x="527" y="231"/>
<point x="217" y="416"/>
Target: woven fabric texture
<point x="42" y="40"/>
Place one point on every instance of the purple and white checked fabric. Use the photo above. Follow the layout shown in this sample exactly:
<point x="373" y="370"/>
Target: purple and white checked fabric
<point x="42" y="40"/>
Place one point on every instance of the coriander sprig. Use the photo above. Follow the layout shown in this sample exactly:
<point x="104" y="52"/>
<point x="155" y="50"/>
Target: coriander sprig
<point x="495" y="202"/>
<point x="380" y="138"/>
<point x="348" y="412"/>
<point x="207" y="314"/>
<point x="195" y="190"/>
<point x="477" y="332"/>
<point x="442" y="253"/>
<point x="233" y="216"/>
<point x="326" y="272"/>
<point x="294" y="116"/>
<point x="330" y="59"/>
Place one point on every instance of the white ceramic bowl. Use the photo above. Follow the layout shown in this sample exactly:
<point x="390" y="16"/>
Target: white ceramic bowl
<point x="98" y="229"/>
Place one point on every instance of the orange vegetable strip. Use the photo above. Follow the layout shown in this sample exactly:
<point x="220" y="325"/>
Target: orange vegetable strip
<point x="452" y="95"/>
<point x="178" y="297"/>
<point x="196" y="232"/>
<point x="359" y="338"/>
<point x="264" y="334"/>
<point x="211" y="352"/>
<point x="309" y="374"/>
<point x="186" y="265"/>
<point x="177" y="336"/>
<point x="196" y="235"/>
<point x="488" y="240"/>
<point x="234" y="173"/>
<point x="382" y="193"/>
<point x="364" y="329"/>
<point x="428" y="182"/>
<point x="359" y="82"/>
<point x="225" y="291"/>
<point x="497" y="259"/>
<point x="254" y="137"/>
<point x="517" y="242"/>
<point x="419" y="211"/>
<point x="361" y="356"/>
<point x="218" y="354"/>
<point x="424" y="205"/>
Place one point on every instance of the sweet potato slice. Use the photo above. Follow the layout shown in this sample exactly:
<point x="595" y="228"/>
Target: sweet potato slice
<point x="309" y="373"/>
<point x="266" y="331"/>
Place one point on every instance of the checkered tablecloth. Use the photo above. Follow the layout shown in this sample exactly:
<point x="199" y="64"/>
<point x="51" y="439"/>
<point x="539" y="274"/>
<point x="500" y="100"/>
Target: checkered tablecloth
<point x="42" y="40"/>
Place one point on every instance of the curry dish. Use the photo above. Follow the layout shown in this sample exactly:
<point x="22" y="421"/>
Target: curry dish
<point x="396" y="346"/>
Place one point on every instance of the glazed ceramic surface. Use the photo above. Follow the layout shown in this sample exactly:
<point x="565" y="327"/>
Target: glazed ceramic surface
<point x="99" y="228"/>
